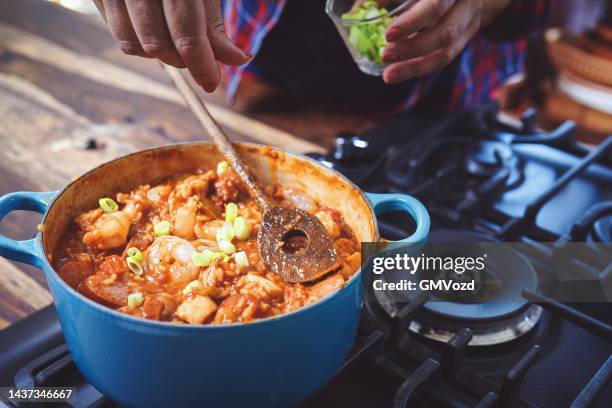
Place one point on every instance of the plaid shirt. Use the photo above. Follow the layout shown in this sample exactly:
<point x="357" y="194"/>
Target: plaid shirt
<point x="488" y="60"/>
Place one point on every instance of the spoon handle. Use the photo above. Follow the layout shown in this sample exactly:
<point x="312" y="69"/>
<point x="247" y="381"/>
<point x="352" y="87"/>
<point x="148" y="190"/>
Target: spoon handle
<point x="198" y="108"/>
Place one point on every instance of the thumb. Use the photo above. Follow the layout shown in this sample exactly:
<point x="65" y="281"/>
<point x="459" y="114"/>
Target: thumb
<point x="225" y="51"/>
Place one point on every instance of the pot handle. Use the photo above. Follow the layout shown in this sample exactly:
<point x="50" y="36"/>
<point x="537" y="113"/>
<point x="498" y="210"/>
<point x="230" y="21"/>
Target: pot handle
<point x="384" y="203"/>
<point x="23" y="251"/>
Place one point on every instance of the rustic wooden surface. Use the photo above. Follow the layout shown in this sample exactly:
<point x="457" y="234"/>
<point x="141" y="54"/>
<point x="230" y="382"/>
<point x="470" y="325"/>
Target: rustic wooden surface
<point x="62" y="82"/>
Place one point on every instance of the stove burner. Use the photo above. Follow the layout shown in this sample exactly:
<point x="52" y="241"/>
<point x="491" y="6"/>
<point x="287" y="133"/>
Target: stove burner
<point x="487" y="158"/>
<point x="602" y="230"/>
<point x="499" y="319"/>
<point x="485" y="333"/>
<point x="490" y="158"/>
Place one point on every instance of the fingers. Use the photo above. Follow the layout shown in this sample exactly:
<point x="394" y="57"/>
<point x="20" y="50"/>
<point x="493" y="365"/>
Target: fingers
<point x="149" y="24"/>
<point x="185" y="23"/>
<point x="180" y="33"/>
<point x="448" y="31"/>
<point x="225" y="51"/>
<point x="402" y="71"/>
<point x="120" y="26"/>
<point x="423" y="14"/>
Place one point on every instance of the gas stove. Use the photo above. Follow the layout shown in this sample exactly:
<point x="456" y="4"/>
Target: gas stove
<point x="482" y="180"/>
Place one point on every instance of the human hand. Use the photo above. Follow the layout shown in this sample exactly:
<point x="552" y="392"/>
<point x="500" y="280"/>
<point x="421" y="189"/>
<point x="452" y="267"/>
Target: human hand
<point x="185" y="34"/>
<point x="429" y="35"/>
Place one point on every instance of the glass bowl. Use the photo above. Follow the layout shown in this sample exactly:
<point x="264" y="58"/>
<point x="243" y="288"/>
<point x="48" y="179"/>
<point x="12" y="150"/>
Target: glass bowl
<point x="365" y="37"/>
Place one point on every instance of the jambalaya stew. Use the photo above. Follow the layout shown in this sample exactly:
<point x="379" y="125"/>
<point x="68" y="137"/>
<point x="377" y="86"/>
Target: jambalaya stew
<point x="185" y="250"/>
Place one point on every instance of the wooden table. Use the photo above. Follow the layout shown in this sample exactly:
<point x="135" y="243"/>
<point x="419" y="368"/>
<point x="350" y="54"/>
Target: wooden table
<point x="63" y="85"/>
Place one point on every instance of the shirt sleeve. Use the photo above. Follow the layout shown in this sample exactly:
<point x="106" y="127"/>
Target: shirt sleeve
<point x="520" y="19"/>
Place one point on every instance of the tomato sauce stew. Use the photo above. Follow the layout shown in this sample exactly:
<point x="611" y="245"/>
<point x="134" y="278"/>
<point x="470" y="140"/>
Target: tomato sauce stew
<point x="185" y="251"/>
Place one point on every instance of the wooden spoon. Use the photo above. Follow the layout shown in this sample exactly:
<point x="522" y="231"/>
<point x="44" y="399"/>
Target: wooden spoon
<point x="292" y="243"/>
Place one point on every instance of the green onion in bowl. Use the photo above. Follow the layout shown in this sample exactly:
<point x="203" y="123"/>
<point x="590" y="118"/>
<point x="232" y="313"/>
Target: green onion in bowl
<point x="368" y="37"/>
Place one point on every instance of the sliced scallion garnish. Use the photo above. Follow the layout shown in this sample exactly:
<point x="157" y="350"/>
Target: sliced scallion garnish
<point x="162" y="228"/>
<point x="227" y="247"/>
<point x="231" y="212"/>
<point x="242" y="228"/>
<point x="135" y="299"/>
<point x="108" y="205"/>
<point x="241" y="259"/>
<point x="203" y="258"/>
<point x="226" y="232"/>
<point x="134" y="265"/>
<point x="134" y="253"/>
<point x="222" y="167"/>
<point x="219" y="255"/>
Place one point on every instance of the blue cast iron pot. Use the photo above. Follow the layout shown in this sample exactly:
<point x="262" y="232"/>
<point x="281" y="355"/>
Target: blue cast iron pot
<point x="277" y="361"/>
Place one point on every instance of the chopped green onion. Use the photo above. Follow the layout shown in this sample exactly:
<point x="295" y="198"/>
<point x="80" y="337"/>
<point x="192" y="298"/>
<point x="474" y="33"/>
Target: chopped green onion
<point x="162" y="228"/>
<point x="108" y="205"/>
<point x="191" y="286"/>
<point x="222" y="167"/>
<point x="227" y="247"/>
<point x="134" y="253"/>
<point x="134" y="265"/>
<point x="373" y="13"/>
<point x="231" y="212"/>
<point x="217" y="255"/>
<point x="226" y="232"/>
<point x="203" y="258"/>
<point x="241" y="259"/>
<point x="359" y="40"/>
<point x="368" y="37"/>
<point x="242" y="228"/>
<point x="135" y="299"/>
<point x="220" y="255"/>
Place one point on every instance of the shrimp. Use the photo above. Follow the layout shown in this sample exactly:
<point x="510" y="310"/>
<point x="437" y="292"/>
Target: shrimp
<point x="208" y="230"/>
<point x="111" y="229"/>
<point x="168" y="261"/>
<point x="185" y="218"/>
